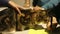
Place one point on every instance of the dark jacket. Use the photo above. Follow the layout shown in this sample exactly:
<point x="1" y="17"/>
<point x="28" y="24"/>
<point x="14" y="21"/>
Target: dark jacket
<point x="47" y="4"/>
<point x="4" y="2"/>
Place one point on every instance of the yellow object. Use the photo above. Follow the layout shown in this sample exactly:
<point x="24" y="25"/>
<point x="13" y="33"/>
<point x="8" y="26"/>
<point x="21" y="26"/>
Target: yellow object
<point x="32" y="31"/>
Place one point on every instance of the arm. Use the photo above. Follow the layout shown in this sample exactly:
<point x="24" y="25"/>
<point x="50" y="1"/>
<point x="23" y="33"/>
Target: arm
<point x="12" y="5"/>
<point x="48" y="5"/>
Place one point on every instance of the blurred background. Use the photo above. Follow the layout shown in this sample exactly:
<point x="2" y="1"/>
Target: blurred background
<point x="21" y="2"/>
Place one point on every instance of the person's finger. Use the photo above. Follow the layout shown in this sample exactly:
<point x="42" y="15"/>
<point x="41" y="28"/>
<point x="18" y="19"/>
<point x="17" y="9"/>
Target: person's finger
<point x="19" y="12"/>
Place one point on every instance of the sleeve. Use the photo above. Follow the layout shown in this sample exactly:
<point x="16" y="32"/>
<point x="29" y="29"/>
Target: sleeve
<point x="4" y="1"/>
<point x="42" y="2"/>
<point x="51" y="4"/>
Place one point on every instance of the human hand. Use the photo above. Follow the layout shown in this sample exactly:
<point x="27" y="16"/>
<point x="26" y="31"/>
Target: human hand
<point x="18" y="10"/>
<point x="37" y="8"/>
